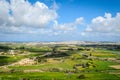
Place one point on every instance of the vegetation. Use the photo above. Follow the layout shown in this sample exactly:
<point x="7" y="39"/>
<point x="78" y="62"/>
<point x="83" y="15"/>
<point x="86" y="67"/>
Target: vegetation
<point x="58" y="62"/>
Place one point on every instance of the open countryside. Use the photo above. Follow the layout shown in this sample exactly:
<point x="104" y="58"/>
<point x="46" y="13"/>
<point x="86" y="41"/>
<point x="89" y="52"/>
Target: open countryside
<point x="48" y="61"/>
<point x="59" y="39"/>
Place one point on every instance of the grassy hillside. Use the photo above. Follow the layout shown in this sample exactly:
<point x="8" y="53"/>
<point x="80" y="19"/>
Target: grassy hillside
<point x="60" y="63"/>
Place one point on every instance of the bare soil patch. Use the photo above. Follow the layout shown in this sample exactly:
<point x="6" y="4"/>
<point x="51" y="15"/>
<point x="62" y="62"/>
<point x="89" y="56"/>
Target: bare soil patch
<point x="32" y="70"/>
<point x="24" y="62"/>
<point x="115" y="66"/>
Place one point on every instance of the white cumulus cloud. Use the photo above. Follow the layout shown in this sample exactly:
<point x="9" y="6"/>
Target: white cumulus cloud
<point x="67" y="27"/>
<point x="21" y="13"/>
<point x="106" y="25"/>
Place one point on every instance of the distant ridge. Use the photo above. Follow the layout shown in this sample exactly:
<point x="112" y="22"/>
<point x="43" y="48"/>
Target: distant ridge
<point x="67" y="42"/>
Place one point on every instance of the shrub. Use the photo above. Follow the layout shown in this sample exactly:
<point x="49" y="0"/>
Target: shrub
<point x="54" y="70"/>
<point x="82" y="76"/>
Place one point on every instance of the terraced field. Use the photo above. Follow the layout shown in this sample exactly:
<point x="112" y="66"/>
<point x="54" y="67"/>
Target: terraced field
<point x="62" y="63"/>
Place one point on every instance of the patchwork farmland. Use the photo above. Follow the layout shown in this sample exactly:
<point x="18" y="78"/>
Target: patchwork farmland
<point x="27" y="61"/>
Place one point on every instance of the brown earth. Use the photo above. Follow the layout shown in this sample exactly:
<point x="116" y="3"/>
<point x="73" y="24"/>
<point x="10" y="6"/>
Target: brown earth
<point x="115" y="66"/>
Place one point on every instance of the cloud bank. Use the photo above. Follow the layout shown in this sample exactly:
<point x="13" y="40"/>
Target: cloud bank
<point x="22" y="17"/>
<point x="104" y="26"/>
<point x="20" y="14"/>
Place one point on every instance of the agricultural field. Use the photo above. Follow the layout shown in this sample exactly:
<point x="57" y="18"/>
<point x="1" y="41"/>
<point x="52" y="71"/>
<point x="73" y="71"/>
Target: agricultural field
<point x="59" y="62"/>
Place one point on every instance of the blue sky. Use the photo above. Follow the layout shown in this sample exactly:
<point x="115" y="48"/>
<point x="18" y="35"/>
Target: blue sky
<point x="59" y="20"/>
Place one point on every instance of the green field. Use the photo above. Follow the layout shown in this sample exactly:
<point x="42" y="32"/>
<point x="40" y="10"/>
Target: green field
<point x="58" y="63"/>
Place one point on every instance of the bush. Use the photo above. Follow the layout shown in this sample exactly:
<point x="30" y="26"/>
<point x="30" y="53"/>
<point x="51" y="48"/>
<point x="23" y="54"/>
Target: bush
<point x="82" y="76"/>
<point x="54" y="70"/>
